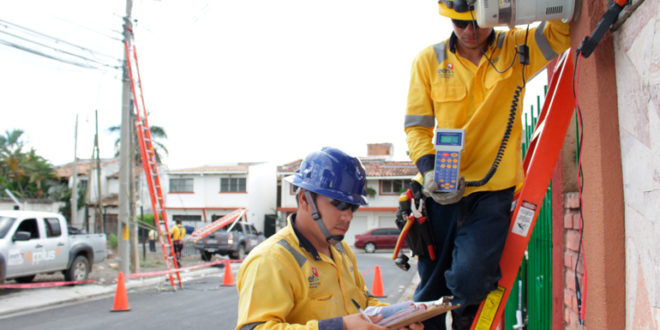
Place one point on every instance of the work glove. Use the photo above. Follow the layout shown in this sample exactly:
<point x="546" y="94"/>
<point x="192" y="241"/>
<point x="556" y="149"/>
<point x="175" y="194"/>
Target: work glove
<point x="430" y="189"/>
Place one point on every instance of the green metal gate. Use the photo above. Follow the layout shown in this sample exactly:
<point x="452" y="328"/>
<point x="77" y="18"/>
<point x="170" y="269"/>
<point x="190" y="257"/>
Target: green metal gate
<point x="530" y="302"/>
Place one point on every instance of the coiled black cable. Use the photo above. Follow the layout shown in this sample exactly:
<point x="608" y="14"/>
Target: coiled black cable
<point x="503" y="143"/>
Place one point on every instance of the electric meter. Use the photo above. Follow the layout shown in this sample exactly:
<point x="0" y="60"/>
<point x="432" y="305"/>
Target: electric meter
<point x="515" y="12"/>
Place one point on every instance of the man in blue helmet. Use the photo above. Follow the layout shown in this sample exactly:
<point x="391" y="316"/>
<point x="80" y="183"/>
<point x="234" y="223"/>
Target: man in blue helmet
<point x="305" y="276"/>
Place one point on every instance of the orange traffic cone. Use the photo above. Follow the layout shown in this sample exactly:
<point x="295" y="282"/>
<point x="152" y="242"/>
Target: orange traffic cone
<point x="228" y="279"/>
<point x="121" y="299"/>
<point x="377" y="284"/>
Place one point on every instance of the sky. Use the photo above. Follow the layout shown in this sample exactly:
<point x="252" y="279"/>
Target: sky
<point x="229" y="81"/>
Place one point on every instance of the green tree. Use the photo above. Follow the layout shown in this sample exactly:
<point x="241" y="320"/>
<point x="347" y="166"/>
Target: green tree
<point x="157" y="133"/>
<point x="25" y="174"/>
<point x="63" y="193"/>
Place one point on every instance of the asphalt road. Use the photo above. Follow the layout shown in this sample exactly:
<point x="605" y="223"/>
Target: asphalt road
<point x="202" y="303"/>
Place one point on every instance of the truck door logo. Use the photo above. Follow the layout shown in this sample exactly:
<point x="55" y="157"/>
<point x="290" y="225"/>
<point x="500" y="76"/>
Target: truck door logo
<point x="43" y="255"/>
<point x="15" y="257"/>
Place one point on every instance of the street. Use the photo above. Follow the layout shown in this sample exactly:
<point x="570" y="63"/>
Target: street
<point x="202" y="303"/>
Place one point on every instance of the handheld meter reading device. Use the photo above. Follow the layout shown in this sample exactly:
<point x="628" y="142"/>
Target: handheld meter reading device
<point x="448" y="146"/>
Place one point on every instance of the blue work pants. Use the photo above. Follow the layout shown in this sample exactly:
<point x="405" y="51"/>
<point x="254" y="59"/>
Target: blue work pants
<point x="469" y="238"/>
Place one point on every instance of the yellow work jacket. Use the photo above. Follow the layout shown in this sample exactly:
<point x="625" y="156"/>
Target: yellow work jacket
<point x="449" y="91"/>
<point x="178" y="232"/>
<point x="282" y="285"/>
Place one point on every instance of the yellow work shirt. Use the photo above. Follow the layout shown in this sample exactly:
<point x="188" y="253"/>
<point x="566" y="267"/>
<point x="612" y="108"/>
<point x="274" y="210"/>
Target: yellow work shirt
<point x="178" y="232"/>
<point x="449" y="91"/>
<point x="282" y="285"/>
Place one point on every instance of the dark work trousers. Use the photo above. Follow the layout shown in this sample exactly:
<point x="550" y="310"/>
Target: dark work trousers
<point x="469" y="238"/>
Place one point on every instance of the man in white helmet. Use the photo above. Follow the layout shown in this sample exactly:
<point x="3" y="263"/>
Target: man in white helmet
<point x="468" y="82"/>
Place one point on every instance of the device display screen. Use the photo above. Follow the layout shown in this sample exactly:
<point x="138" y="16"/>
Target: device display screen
<point x="449" y="139"/>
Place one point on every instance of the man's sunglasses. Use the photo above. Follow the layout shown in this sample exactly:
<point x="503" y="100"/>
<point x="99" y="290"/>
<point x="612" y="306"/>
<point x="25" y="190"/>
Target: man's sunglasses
<point x="343" y="206"/>
<point x="461" y="24"/>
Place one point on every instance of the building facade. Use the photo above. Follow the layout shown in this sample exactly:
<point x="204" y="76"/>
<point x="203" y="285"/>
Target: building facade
<point x="198" y="196"/>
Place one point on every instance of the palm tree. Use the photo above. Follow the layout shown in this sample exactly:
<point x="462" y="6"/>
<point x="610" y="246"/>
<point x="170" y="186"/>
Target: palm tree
<point x="157" y="133"/>
<point x="25" y="174"/>
<point x="39" y="172"/>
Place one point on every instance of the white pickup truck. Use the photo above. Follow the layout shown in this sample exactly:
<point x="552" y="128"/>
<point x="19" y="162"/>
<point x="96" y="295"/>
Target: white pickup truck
<point x="39" y="242"/>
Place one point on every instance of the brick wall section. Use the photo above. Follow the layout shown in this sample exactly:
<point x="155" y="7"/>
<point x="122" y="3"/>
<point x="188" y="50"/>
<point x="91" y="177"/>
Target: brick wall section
<point x="571" y="246"/>
<point x="379" y="149"/>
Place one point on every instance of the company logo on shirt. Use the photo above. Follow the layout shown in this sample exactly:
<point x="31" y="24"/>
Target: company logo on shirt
<point x="446" y="72"/>
<point x="314" y="280"/>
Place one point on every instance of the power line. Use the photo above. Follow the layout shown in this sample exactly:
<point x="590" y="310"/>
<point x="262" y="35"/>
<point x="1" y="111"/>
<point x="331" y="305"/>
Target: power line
<point x="36" y="52"/>
<point x="58" y="48"/>
<point x="55" y="39"/>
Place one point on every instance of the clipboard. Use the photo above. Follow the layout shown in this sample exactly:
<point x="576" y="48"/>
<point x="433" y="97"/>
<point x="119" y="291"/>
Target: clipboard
<point x="425" y="315"/>
<point x="433" y="308"/>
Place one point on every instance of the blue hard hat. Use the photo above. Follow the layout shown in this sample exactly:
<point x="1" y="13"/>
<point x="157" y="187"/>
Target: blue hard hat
<point x="333" y="173"/>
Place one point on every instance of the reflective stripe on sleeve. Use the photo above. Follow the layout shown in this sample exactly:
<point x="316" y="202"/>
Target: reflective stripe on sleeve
<point x="419" y="120"/>
<point x="251" y="326"/>
<point x="300" y="259"/>
<point x="440" y="52"/>
<point x="543" y="44"/>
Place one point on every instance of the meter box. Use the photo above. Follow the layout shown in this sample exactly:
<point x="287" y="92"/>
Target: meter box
<point x="448" y="146"/>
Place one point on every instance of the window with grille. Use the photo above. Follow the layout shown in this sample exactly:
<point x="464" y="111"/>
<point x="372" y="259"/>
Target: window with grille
<point x="179" y="185"/>
<point x="231" y="184"/>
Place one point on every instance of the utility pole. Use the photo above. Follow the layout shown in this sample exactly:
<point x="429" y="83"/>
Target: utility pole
<point x="124" y="154"/>
<point x="135" y="256"/>
<point x="74" y="176"/>
<point x="98" y="216"/>
<point x="95" y="162"/>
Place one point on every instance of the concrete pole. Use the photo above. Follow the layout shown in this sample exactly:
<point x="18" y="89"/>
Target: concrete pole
<point x="135" y="256"/>
<point x="124" y="156"/>
<point x="98" y="216"/>
<point x="74" y="177"/>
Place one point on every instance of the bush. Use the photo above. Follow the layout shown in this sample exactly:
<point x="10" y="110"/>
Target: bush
<point x="148" y="220"/>
<point x="112" y="241"/>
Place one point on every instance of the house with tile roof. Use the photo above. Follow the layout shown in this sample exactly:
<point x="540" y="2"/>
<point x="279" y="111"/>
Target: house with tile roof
<point x="386" y="180"/>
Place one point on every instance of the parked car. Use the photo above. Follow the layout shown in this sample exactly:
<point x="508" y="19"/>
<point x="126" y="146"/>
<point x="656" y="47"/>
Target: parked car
<point x="236" y="240"/>
<point x="378" y="238"/>
<point x="41" y="242"/>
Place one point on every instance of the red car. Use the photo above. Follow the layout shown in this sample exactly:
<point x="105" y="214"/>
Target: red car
<point x="378" y="238"/>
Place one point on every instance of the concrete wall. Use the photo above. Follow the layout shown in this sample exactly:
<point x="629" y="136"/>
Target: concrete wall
<point x="637" y="55"/>
<point x="602" y="193"/>
<point x="32" y="205"/>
